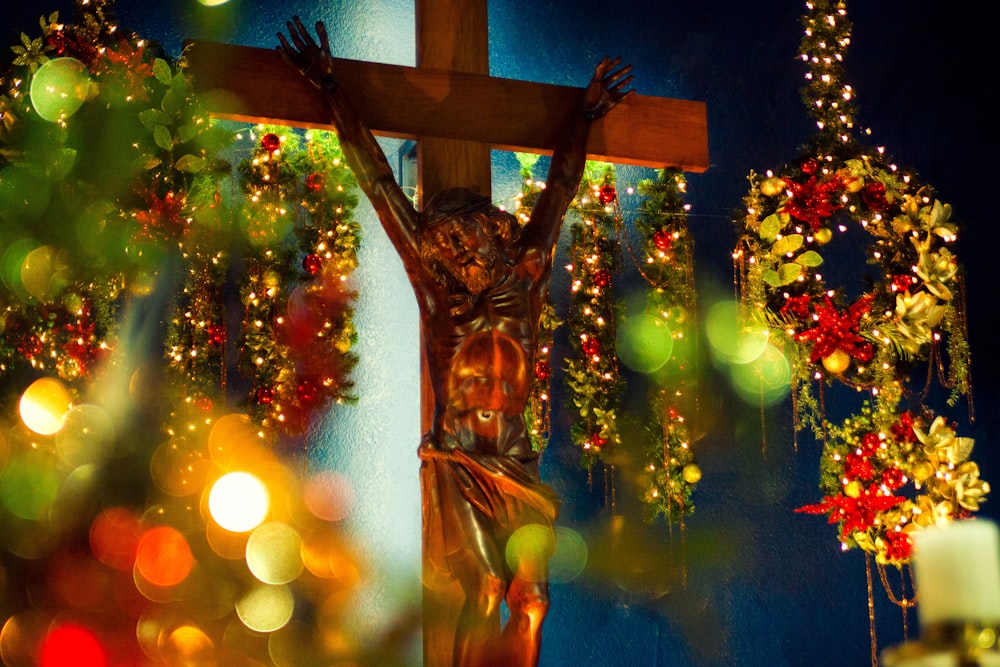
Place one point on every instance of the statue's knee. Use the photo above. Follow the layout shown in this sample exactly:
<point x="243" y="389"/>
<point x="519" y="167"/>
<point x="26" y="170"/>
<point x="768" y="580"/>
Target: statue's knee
<point x="531" y="601"/>
<point x="490" y="594"/>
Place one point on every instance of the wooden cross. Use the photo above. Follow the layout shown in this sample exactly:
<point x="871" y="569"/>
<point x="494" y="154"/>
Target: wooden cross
<point x="457" y="113"/>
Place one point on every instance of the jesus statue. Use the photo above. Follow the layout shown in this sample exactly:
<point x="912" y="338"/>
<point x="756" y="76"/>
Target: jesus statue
<point x="480" y="281"/>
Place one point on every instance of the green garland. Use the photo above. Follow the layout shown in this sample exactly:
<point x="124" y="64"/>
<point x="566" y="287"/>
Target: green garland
<point x="666" y="264"/>
<point x="592" y="375"/>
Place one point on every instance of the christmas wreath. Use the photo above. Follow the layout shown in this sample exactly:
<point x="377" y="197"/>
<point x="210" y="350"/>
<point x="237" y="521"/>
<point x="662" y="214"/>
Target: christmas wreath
<point x="894" y="466"/>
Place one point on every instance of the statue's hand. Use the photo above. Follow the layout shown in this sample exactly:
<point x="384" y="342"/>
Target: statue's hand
<point x="606" y="88"/>
<point x="314" y="61"/>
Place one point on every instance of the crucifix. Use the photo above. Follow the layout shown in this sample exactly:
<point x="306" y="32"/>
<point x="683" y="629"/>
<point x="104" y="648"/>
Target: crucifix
<point x="479" y="281"/>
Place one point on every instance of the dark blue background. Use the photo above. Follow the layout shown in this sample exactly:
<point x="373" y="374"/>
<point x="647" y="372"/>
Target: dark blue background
<point x="764" y="585"/>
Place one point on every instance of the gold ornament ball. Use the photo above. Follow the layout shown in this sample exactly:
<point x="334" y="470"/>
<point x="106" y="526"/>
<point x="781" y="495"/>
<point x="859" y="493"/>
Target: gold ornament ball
<point x="823" y="235"/>
<point x="854" y="184"/>
<point x="772" y="187"/>
<point x="837" y="361"/>
<point x="691" y="473"/>
<point x="854" y="489"/>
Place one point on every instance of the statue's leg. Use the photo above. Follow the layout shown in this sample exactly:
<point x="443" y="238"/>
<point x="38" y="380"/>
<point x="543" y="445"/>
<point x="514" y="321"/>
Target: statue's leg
<point x="480" y="569"/>
<point x="528" y="602"/>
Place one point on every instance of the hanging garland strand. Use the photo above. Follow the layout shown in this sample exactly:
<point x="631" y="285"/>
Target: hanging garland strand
<point x="298" y="325"/>
<point x="669" y="337"/>
<point x="592" y="376"/>
<point x="538" y="409"/>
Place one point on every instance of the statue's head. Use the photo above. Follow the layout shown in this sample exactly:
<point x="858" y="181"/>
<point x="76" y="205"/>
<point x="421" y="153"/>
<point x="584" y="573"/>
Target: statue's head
<point x="461" y="233"/>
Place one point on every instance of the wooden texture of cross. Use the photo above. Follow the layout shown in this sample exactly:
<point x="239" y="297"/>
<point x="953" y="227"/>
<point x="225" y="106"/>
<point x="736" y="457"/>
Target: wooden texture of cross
<point x="457" y="113"/>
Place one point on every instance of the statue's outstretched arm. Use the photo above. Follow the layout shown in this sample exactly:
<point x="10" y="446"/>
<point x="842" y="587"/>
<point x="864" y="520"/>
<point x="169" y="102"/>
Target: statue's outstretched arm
<point x="361" y="150"/>
<point x="606" y="89"/>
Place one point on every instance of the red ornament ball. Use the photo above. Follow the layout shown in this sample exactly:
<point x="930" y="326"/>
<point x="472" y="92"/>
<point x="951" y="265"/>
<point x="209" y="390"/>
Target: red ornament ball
<point x="607" y="194"/>
<point x="216" y="334"/>
<point x="312" y="263"/>
<point x="30" y="346"/>
<point x="663" y="240"/>
<point x="902" y="282"/>
<point x="810" y="166"/>
<point x="873" y="195"/>
<point x="598" y="441"/>
<point x="591" y="346"/>
<point x="205" y="404"/>
<point x="306" y="391"/>
<point x="314" y="182"/>
<point x="543" y="370"/>
<point x="270" y="142"/>
<point x="265" y="395"/>
<point x="602" y="278"/>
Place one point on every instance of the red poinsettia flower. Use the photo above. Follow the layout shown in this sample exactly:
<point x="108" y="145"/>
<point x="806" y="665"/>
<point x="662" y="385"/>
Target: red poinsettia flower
<point x="797" y="306"/>
<point x="902" y="430"/>
<point x="898" y="546"/>
<point x="858" y="466"/>
<point x="854" y="514"/>
<point x="162" y="219"/>
<point x="813" y="201"/>
<point x="127" y="63"/>
<point x="838" y="330"/>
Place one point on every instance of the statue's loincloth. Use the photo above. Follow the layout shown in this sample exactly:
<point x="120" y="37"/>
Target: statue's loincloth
<point x="469" y="496"/>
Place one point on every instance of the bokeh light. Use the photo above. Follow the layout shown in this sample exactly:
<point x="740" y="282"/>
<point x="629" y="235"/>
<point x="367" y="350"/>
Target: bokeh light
<point x="28" y="486"/>
<point x="189" y="645"/>
<point x="570" y="557"/>
<point x="114" y="538"/>
<point x="274" y="553"/>
<point x="43" y="405"/>
<point x="328" y="495"/>
<point x="163" y="556"/>
<point x="529" y="549"/>
<point x="234" y="443"/>
<point x="59" y="88"/>
<point x="20" y="638"/>
<point x="731" y="340"/>
<point x="238" y="501"/>
<point x="266" y="608"/>
<point x="764" y="381"/>
<point x="87" y="435"/>
<point x="25" y="194"/>
<point x="72" y="645"/>
<point x="644" y="342"/>
<point x="44" y="273"/>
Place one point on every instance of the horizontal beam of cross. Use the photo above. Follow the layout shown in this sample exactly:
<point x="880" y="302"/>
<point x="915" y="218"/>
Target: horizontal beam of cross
<point x="251" y="84"/>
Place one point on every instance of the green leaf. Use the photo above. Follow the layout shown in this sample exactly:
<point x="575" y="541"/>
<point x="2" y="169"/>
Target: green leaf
<point x="150" y="162"/>
<point x="190" y="163"/>
<point x="150" y="118"/>
<point x="770" y="227"/>
<point x="161" y="135"/>
<point x="186" y="133"/>
<point x="809" y="258"/>
<point x="787" y="244"/>
<point x="161" y="70"/>
<point x="770" y="276"/>
<point x="789" y="273"/>
<point x="171" y="103"/>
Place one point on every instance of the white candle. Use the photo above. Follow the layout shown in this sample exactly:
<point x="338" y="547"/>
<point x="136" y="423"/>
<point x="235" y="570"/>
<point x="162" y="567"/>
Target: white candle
<point x="957" y="573"/>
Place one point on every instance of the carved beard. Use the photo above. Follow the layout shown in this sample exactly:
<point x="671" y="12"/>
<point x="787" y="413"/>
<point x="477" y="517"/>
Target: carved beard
<point x="473" y="269"/>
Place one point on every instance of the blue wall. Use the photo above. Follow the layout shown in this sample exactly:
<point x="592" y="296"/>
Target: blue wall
<point x="764" y="585"/>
